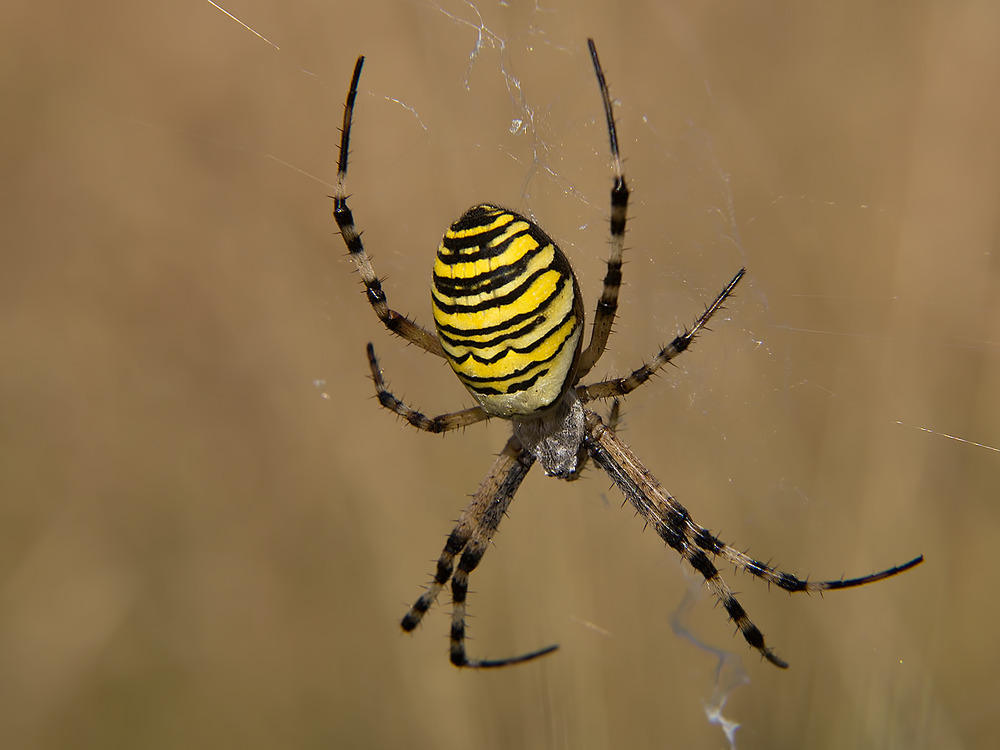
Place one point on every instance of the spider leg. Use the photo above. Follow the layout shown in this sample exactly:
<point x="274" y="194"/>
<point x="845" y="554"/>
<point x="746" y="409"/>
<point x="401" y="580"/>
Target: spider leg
<point x="470" y="538"/>
<point x="607" y="306"/>
<point x="624" y="386"/>
<point x="674" y="525"/>
<point x="613" y="420"/>
<point x="786" y="581"/>
<point x="459" y="588"/>
<point x="440" y="423"/>
<point x="457" y="540"/>
<point x="396" y="323"/>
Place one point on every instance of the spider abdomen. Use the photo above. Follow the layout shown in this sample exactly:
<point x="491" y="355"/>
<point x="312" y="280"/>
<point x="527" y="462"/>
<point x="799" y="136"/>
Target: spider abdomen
<point x="508" y="311"/>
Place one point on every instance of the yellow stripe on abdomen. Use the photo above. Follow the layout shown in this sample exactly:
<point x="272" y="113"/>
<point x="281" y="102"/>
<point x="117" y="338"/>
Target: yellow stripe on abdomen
<point x="508" y="311"/>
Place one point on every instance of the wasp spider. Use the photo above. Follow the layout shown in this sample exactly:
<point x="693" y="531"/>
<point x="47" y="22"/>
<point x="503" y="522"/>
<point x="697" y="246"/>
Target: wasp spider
<point x="509" y="318"/>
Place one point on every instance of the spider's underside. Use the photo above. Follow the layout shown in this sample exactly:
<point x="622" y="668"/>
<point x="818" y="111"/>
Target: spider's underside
<point x="509" y="318"/>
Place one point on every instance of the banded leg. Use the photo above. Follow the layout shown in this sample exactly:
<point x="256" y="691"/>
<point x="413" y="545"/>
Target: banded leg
<point x="614" y="418"/>
<point x="441" y="423"/>
<point x="674" y="525"/>
<point x="396" y="323"/>
<point x="607" y="306"/>
<point x="470" y="538"/>
<point x="624" y="386"/>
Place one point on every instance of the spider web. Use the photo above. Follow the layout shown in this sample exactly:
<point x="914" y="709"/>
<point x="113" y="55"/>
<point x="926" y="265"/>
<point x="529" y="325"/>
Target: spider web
<point x="729" y="672"/>
<point x="551" y="142"/>
<point x="189" y="525"/>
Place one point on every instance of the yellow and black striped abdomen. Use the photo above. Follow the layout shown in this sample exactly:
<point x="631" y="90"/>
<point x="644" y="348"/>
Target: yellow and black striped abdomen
<point x="508" y="311"/>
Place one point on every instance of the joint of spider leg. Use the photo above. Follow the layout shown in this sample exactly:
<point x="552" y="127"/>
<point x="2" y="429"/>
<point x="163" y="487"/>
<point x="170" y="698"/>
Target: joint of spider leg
<point x="459" y="590"/>
<point x="674" y="530"/>
<point x="390" y="318"/>
<point x="791" y="584"/>
<point x="348" y="229"/>
<point x="700" y="562"/>
<point x="374" y="293"/>
<point x="619" y="207"/>
<point x="435" y="425"/>
<point x="708" y="542"/>
<point x="756" y="568"/>
<point x="387" y="400"/>
<point x="470" y="560"/>
<point x="607" y="304"/>
<point x="674" y="540"/>
<point x="682" y="342"/>
<point x="345" y="217"/>
<point x="736" y="613"/>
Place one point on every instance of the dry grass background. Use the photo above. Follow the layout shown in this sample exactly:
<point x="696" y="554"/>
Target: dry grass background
<point x="198" y="550"/>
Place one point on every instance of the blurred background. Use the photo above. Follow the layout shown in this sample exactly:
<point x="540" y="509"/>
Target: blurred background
<point x="209" y="530"/>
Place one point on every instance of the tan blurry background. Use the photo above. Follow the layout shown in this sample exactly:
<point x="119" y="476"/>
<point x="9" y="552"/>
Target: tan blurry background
<point x="198" y="549"/>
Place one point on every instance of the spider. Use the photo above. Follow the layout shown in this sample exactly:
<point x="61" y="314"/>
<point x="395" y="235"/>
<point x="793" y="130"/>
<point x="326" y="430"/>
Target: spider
<point x="509" y="318"/>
